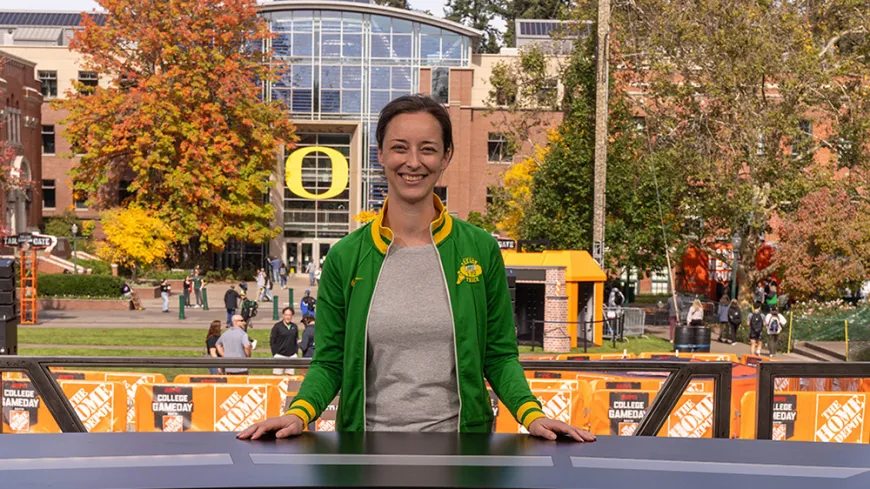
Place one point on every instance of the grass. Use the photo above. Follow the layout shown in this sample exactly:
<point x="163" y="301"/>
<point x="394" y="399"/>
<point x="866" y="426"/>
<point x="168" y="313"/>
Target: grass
<point x="193" y="338"/>
<point x="634" y="345"/>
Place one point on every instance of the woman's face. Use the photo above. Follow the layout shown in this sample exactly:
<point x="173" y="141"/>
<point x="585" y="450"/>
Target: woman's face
<point x="413" y="156"/>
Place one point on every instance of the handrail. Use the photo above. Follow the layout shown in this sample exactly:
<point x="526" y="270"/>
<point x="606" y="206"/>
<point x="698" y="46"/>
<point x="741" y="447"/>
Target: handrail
<point x="768" y="372"/>
<point x="680" y="374"/>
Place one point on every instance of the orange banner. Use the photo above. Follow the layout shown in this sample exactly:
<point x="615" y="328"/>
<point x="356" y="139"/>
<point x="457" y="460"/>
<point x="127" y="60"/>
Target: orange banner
<point x="594" y="356"/>
<point x="23" y="409"/>
<point x="100" y="405"/>
<point x="692" y="417"/>
<point x="618" y="412"/>
<point x="565" y="400"/>
<point x="204" y="406"/>
<point x="812" y="416"/>
<point x="132" y="381"/>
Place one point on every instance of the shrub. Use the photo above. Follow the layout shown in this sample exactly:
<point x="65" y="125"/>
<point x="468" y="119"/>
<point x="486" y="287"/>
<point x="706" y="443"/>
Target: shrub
<point x="165" y="275"/>
<point x="98" y="267"/>
<point x="61" y="285"/>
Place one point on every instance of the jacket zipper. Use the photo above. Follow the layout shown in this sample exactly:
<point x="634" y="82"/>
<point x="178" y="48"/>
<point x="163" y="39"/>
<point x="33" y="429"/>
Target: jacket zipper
<point x="366" y="333"/>
<point x="453" y="328"/>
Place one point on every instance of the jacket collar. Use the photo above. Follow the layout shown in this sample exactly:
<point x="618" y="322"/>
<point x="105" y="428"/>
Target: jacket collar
<point x="440" y="227"/>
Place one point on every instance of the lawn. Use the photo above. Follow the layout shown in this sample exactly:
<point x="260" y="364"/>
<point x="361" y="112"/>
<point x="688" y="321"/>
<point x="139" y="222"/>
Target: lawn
<point x="192" y="338"/>
<point x="634" y="345"/>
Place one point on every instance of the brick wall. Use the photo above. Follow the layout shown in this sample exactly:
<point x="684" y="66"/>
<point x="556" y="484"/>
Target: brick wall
<point x="556" y="337"/>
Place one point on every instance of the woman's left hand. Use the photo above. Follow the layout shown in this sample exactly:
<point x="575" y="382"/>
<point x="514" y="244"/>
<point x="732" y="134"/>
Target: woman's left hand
<point x="549" y="429"/>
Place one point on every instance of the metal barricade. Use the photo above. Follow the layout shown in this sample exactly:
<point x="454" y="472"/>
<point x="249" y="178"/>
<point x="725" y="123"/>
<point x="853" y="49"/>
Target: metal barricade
<point x="633" y="320"/>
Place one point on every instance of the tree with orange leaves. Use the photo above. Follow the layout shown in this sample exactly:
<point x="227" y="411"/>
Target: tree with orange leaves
<point x="182" y="117"/>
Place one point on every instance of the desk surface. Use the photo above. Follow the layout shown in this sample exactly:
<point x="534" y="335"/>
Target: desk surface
<point x="218" y="460"/>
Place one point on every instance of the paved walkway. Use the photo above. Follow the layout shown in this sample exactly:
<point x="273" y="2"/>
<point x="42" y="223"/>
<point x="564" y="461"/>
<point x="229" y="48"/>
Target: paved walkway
<point x="738" y="349"/>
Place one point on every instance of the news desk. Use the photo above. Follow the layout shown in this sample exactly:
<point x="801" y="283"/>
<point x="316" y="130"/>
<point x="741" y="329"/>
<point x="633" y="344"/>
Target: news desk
<point x="218" y="460"/>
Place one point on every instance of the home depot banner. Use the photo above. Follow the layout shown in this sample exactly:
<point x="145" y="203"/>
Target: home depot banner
<point x="326" y="421"/>
<point x="204" y="406"/>
<point x="812" y="416"/>
<point x="100" y="405"/>
<point x="692" y="417"/>
<point x="564" y="400"/>
<point x="23" y="409"/>
<point x="131" y="382"/>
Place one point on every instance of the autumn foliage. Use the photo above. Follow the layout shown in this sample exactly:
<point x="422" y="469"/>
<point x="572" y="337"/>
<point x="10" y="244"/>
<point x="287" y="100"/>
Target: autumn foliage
<point x="135" y="237"/>
<point x="825" y="246"/>
<point x="181" y="118"/>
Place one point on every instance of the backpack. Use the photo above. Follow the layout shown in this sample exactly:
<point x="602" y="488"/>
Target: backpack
<point x="249" y="308"/>
<point x="774" y="327"/>
<point x="756" y="322"/>
<point x="733" y="315"/>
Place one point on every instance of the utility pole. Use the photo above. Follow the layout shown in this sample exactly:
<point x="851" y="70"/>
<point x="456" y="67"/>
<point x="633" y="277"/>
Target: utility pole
<point x="600" y="175"/>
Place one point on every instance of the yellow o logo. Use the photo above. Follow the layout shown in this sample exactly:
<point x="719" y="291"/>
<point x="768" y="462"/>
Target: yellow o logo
<point x="293" y="172"/>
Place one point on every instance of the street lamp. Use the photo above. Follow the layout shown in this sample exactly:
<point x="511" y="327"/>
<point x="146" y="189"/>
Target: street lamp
<point x="75" y="230"/>
<point x="735" y="245"/>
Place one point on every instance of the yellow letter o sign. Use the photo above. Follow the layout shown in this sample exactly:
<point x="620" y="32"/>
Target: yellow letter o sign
<point x="293" y="171"/>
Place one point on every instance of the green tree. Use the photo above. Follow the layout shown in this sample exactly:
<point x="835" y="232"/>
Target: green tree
<point x="477" y="14"/>
<point x="402" y="4"/>
<point x="732" y="89"/>
<point x="181" y="116"/>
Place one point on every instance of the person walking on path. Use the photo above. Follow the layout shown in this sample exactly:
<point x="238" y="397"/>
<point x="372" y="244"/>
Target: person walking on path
<point x="722" y="314"/>
<point x="413" y="353"/>
<point x="186" y="287"/>
<point x="275" y="264"/>
<point x="756" y="327"/>
<point x="307" y="344"/>
<point x="307" y="304"/>
<point x="261" y="285"/>
<point x="284" y="340"/>
<point x="211" y="339"/>
<point x="282" y="274"/>
<point x="696" y="314"/>
<point x="165" y="289"/>
<point x="234" y="343"/>
<point x="673" y="316"/>
<point x="773" y="322"/>
<point x="311" y="269"/>
<point x="198" y="284"/>
<point x="735" y="318"/>
<point x="231" y="302"/>
<point x="267" y="295"/>
<point x="248" y="310"/>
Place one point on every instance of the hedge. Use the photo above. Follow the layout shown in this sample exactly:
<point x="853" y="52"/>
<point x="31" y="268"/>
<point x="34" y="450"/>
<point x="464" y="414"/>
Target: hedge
<point x="98" y="267"/>
<point x="61" y="285"/>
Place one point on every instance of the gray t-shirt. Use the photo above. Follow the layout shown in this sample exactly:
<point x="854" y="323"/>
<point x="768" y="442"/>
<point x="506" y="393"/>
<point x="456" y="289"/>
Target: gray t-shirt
<point x="411" y="366"/>
<point x="234" y="341"/>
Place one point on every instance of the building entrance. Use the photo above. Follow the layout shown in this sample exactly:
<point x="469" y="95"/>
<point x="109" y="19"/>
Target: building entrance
<point x="302" y="252"/>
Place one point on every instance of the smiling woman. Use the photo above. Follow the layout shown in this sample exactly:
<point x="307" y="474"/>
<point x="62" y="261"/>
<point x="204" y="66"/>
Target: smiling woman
<point x="413" y="308"/>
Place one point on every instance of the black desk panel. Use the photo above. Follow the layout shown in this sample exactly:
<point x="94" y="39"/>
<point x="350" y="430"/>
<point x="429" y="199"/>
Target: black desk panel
<point x="218" y="460"/>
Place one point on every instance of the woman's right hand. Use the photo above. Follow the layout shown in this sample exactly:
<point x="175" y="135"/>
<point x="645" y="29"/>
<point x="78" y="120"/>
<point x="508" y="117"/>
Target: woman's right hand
<point x="283" y="427"/>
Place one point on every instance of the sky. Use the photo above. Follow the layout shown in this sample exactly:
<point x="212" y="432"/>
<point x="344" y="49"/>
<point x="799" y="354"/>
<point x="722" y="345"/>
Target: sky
<point x="434" y="6"/>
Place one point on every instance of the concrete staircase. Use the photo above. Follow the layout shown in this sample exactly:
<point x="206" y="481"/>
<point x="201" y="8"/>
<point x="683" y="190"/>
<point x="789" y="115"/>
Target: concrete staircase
<point x="823" y="351"/>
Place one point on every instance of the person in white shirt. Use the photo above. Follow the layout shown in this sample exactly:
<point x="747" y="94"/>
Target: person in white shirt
<point x="773" y="324"/>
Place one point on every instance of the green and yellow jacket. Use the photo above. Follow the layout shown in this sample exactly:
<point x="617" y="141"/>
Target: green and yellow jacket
<point x="485" y="337"/>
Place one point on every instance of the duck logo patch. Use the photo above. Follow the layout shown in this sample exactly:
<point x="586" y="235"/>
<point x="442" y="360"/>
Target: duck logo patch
<point x="469" y="271"/>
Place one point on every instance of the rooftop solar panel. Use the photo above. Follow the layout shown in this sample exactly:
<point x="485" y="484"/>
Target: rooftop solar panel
<point x="47" y="19"/>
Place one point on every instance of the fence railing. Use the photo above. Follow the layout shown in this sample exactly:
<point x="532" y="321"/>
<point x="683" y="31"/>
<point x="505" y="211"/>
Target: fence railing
<point x="612" y="329"/>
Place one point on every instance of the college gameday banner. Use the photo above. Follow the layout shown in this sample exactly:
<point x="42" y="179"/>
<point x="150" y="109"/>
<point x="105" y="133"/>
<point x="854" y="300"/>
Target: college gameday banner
<point x="204" y="406"/>
<point x="210" y="379"/>
<point x="839" y="417"/>
<point x="23" y="409"/>
<point x="100" y="405"/>
<point x="78" y="375"/>
<point x="618" y="412"/>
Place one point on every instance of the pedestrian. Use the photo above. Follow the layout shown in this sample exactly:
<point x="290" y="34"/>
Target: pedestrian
<point x="126" y="291"/>
<point x="772" y="298"/>
<point x="773" y="322"/>
<point x="275" y="264"/>
<point x="268" y="294"/>
<point x="198" y="284"/>
<point x="616" y="298"/>
<point x="248" y="310"/>
<point x="758" y="295"/>
<point x="284" y="340"/>
<point x="282" y="274"/>
<point x="261" y="285"/>
<point x="673" y="316"/>
<point x="735" y="318"/>
<point x="724" y="303"/>
<point x="211" y="339"/>
<point x="317" y="275"/>
<point x="400" y="358"/>
<point x="756" y="326"/>
<point x="307" y="304"/>
<point x="234" y="343"/>
<point x="695" y="316"/>
<point x="186" y="288"/>
<point x="307" y="344"/>
<point x="165" y="290"/>
<point x="311" y="269"/>
<point x="231" y="301"/>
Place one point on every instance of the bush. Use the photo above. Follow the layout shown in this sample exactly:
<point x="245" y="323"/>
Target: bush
<point x="98" y="267"/>
<point x="61" y="285"/>
<point x="162" y="275"/>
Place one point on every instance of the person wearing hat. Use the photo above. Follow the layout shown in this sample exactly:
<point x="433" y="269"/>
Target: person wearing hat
<point x="307" y="304"/>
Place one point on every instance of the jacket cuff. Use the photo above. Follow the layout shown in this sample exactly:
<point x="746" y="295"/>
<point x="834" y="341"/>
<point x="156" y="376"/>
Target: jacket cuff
<point x="529" y="412"/>
<point x="303" y="409"/>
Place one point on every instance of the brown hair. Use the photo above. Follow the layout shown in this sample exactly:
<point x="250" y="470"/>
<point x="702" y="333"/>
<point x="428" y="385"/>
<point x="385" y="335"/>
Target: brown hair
<point x="412" y="104"/>
<point x="214" y="329"/>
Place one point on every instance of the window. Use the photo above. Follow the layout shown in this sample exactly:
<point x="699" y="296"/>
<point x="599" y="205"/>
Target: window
<point x="48" y="140"/>
<point x="441" y="192"/>
<point x="660" y="283"/>
<point x="49" y="197"/>
<point x="13" y="123"/>
<point x="499" y="148"/>
<point x="48" y="79"/>
<point x="80" y="198"/>
<point x="547" y="93"/>
<point x="441" y="84"/>
<point x="89" y="80"/>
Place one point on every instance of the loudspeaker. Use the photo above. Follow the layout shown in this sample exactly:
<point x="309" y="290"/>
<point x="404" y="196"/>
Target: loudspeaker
<point x="7" y="270"/>
<point x="7" y="297"/>
<point x="8" y="311"/>
<point x="9" y="336"/>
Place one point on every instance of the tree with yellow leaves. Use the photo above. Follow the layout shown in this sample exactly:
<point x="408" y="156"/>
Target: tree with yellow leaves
<point x="135" y="237"/>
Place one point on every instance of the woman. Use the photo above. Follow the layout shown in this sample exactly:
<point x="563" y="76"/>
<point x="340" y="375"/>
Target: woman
<point x="186" y="288"/>
<point x="165" y="289"/>
<point x="414" y="308"/>
<point x="214" y="332"/>
<point x="307" y="343"/>
<point x="735" y="318"/>
<point x="724" y="303"/>
<point x="696" y="314"/>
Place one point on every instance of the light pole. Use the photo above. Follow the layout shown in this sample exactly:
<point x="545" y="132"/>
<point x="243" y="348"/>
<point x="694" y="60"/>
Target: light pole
<point x="75" y="230"/>
<point x="735" y="245"/>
